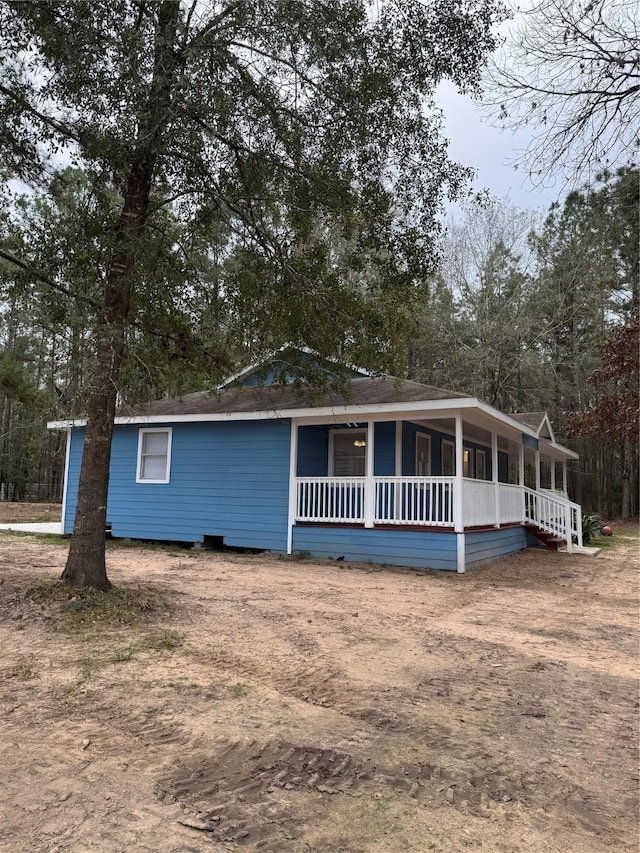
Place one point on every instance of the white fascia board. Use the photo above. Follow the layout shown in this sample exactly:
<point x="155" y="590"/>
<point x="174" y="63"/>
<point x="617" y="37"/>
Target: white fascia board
<point x="557" y="450"/>
<point x="337" y="414"/>
<point x="495" y="415"/>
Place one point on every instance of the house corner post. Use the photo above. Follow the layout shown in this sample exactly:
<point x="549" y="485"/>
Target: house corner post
<point x="460" y="553"/>
<point x="369" y="484"/>
<point x="523" y="502"/>
<point x="293" y="490"/>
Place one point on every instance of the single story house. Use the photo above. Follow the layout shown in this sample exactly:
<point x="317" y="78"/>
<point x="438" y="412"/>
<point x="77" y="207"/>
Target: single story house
<point x="387" y="471"/>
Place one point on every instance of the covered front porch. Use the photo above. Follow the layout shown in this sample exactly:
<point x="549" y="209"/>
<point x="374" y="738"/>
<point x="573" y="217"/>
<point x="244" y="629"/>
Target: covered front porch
<point x="467" y="474"/>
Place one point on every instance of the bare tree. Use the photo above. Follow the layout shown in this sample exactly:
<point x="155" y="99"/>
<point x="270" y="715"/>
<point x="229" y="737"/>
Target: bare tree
<point x="571" y="72"/>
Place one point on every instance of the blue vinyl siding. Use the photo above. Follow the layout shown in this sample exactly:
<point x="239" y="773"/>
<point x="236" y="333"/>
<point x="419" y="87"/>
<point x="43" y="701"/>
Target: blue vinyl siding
<point x="409" y="431"/>
<point x="415" y="549"/>
<point x="384" y="449"/>
<point x="227" y="479"/>
<point x="486" y="545"/>
<point x="503" y="467"/>
<point x="313" y="451"/>
<point x="281" y="369"/>
<point x="75" y="460"/>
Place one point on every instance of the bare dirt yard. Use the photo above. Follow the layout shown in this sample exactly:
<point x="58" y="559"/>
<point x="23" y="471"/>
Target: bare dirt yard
<point x="221" y="702"/>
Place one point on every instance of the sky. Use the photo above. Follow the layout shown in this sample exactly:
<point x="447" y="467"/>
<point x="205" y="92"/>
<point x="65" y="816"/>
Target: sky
<point x="473" y="141"/>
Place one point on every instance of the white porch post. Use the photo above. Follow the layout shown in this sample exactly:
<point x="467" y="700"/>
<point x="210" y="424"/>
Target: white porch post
<point x="293" y="491"/>
<point x="458" y="505"/>
<point x="553" y="475"/>
<point x="564" y="477"/>
<point x="537" y="470"/>
<point x="494" y="475"/>
<point x="397" y="489"/>
<point x="523" y="504"/>
<point x="521" y="465"/>
<point x="369" y="485"/>
<point x="398" y="468"/>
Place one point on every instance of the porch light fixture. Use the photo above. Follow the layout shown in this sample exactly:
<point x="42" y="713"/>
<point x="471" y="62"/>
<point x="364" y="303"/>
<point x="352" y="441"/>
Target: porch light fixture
<point x="359" y="442"/>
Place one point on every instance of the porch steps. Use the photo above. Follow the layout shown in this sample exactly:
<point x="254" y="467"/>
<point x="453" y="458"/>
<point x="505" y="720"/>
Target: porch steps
<point x="551" y="542"/>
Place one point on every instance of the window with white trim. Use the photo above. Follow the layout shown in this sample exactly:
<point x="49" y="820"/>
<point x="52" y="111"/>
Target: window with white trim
<point x="448" y="458"/>
<point x="348" y="453"/>
<point x="423" y="455"/>
<point x="154" y="456"/>
<point x="467" y="462"/>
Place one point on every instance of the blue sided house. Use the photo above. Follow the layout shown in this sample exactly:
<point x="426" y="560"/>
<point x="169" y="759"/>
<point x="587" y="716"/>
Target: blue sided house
<point x="385" y="470"/>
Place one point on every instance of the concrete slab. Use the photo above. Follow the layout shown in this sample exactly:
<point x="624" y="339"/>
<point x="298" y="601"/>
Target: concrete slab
<point x="585" y="549"/>
<point x="51" y="527"/>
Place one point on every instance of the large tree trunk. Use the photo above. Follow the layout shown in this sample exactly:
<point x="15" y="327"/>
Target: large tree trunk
<point x="86" y="561"/>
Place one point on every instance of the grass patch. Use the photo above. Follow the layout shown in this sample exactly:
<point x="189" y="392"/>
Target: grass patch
<point x="83" y="609"/>
<point x="123" y="655"/>
<point x="23" y="670"/>
<point x="167" y="640"/>
<point x="15" y="537"/>
<point x="623" y="536"/>
<point x="86" y="673"/>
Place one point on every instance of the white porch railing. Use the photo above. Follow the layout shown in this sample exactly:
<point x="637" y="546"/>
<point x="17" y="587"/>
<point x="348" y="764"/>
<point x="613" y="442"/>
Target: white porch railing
<point x="554" y="514"/>
<point x="330" y="499"/>
<point x="396" y="500"/>
<point x="478" y="503"/>
<point x="485" y="502"/>
<point x="429" y="501"/>
<point x="414" y="500"/>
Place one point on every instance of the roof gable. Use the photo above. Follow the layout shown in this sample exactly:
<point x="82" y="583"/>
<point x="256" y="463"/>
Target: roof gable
<point x="286" y="366"/>
<point x="537" y="421"/>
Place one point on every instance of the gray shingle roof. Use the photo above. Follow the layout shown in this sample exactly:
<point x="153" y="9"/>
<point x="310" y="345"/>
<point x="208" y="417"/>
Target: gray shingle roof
<point x="530" y="419"/>
<point x="361" y="391"/>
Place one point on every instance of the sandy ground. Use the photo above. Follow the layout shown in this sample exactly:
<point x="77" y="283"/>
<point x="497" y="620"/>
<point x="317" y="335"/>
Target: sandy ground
<point x="13" y="511"/>
<point x="278" y="705"/>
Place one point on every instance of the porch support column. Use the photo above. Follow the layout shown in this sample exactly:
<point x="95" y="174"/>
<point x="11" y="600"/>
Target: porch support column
<point x="553" y="475"/>
<point x="293" y="488"/>
<point x="494" y="475"/>
<point x="458" y="505"/>
<point x="398" y="465"/>
<point x="397" y="489"/>
<point x="523" y="504"/>
<point x="369" y="486"/>
<point x="564" y="477"/>
<point x="521" y="465"/>
<point x="537" y="470"/>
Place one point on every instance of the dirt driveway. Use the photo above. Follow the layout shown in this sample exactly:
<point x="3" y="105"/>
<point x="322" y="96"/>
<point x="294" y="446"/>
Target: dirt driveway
<point x="277" y="705"/>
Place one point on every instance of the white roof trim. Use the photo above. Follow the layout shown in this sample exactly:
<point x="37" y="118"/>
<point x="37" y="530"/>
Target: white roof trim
<point x="338" y="414"/>
<point x="546" y="421"/>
